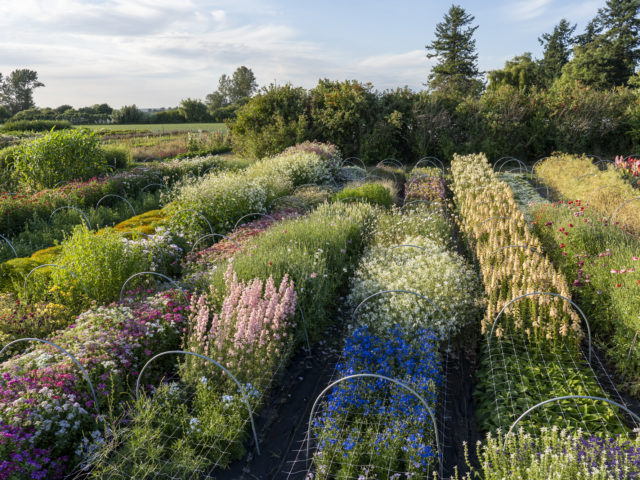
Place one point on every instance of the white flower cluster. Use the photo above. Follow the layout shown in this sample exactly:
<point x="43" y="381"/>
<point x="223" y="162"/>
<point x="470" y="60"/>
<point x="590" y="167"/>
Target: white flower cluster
<point x="433" y="271"/>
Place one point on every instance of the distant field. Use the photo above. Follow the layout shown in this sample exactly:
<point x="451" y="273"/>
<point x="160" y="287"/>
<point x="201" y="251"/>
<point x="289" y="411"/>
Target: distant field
<point x="162" y="127"/>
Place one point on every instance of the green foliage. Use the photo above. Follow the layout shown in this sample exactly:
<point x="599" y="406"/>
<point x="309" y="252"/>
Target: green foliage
<point x="57" y="156"/>
<point x="35" y="125"/>
<point x="127" y="114"/>
<point x="5" y="114"/>
<point x="16" y="92"/>
<point x="167" y="116"/>
<point x="117" y="157"/>
<point x="371" y="192"/>
<point x="609" y="50"/>
<point x="100" y="263"/>
<point x="455" y="49"/>
<point x="193" y="110"/>
<point x="522" y="72"/>
<point x="342" y="112"/>
<point x="272" y="121"/>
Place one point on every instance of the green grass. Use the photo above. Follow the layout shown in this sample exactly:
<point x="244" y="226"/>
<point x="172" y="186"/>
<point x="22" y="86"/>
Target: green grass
<point x="161" y="127"/>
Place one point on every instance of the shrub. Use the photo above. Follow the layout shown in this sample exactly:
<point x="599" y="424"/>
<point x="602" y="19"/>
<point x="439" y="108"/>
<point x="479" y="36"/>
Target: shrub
<point x="35" y="125"/>
<point x="271" y="121"/>
<point x="57" y="156"/>
<point x="117" y="157"/>
<point x="371" y="192"/>
<point x="101" y="263"/>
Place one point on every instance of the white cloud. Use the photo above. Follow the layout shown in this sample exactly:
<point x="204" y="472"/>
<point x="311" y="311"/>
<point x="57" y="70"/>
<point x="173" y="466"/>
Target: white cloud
<point x="528" y="9"/>
<point x="219" y="15"/>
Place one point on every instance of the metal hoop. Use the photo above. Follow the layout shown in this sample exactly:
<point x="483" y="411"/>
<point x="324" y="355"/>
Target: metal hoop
<point x="613" y="215"/>
<point x="209" y="235"/>
<point x="393" y="161"/>
<point x="84" y="372"/>
<point x="507" y="160"/>
<point x="593" y="192"/>
<point x="575" y="305"/>
<point x="154" y="184"/>
<point x="120" y="197"/>
<point x="213" y="362"/>
<point x="61" y="182"/>
<point x="431" y="160"/>
<point x="72" y="208"/>
<point x="569" y="397"/>
<point x="252" y="214"/>
<point x="197" y="213"/>
<point x="186" y="299"/>
<point x="408" y="245"/>
<point x="10" y="245"/>
<point x="82" y="285"/>
<point x="381" y="292"/>
<point x="364" y="167"/>
<point x="533" y="168"/>
<point x="382" y="377"/>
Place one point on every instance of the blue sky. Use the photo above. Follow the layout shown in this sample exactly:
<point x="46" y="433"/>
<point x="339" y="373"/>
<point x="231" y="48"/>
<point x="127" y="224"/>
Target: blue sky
<point x="156" y="52"/>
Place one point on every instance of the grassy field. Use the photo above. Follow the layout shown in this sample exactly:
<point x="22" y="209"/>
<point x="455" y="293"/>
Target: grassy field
<point x="161" y="127"/>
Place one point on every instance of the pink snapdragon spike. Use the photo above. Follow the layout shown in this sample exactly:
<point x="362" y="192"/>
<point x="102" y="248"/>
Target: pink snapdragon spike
<point x="251" y="325"/>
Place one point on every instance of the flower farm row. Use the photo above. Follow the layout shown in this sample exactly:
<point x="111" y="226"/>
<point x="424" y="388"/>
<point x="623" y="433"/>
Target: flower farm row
<point x="177" y="377"/>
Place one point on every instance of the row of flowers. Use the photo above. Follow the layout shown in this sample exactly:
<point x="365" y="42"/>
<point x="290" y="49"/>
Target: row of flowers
<point x="533" y="353"/>
<point x="16" y="209"/>
<point x="370" y="427"/>
<point x="225" y="197"/>
<point x="248" y="322"/>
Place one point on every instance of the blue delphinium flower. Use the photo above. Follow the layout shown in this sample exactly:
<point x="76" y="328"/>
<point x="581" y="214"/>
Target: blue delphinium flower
<point x="384" y="419"/>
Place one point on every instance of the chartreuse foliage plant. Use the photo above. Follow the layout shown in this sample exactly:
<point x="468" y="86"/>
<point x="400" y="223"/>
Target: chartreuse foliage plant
<point x="577" y="178"/>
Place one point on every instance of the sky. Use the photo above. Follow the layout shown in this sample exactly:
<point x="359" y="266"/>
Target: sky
<point x="154" y="53"/>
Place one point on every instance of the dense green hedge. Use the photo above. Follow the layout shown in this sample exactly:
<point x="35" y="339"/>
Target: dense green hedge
<point x="409" y="125"/>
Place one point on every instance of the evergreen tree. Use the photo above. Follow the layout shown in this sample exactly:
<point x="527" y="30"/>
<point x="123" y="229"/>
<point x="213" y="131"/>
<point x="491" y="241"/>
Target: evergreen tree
<point x="557" y="50"/>
<point x="608" y="52"/>
<point x="455" y="49"/>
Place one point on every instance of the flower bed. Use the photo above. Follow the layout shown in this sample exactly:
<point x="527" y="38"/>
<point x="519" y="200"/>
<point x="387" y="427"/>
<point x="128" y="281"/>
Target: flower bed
<point x="18" y="210"/>
<point x="373" y="428"/>
<point x="46" y="406"/>
<point x="577" y="178"/>
<point x="533" y="353"/>
<point x="600" y="261"/>
<point x="226" y="197"/>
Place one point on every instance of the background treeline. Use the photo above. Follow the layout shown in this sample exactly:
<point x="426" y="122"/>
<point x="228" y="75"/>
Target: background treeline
<point x="400" y="123"/>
